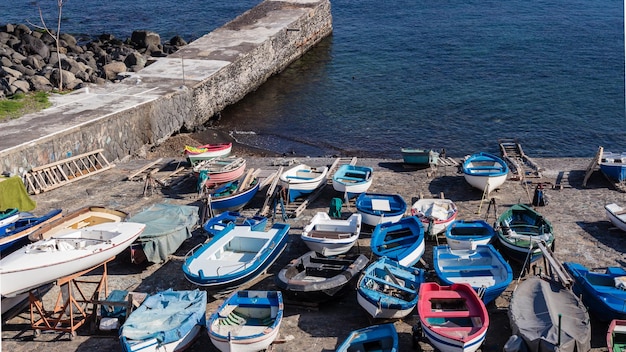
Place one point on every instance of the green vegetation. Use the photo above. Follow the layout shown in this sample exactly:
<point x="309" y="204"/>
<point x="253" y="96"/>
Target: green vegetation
<point x="20" y="104"/>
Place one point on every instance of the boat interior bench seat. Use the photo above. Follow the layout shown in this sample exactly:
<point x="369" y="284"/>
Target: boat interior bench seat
<point x="469" y="267"/>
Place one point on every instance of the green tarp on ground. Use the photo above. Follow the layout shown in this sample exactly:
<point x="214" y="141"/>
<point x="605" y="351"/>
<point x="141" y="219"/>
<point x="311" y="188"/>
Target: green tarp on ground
<point x="13" y="194"/>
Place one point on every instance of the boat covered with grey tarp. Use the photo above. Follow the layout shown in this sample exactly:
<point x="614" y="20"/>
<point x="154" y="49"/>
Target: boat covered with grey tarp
<point x="534" y="316"/>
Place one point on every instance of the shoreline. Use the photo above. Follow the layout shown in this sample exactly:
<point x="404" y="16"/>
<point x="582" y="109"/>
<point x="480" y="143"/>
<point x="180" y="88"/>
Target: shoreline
<point x="583" y="235"/>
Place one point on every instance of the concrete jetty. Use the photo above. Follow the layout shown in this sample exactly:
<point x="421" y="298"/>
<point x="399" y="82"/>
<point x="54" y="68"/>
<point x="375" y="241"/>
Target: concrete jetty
<point x="181" y="91"/>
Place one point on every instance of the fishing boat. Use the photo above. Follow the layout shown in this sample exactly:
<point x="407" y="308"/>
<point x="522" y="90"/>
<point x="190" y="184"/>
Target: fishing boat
<point x="419" y="156"/>
<point x="435" y="214"/>
<point x="485" y="171"/>
<point x="617" y="215"/>
<point x="519" y="229"/>
<point x="234" y="195"/>
<point x="467" y="234"/>
<point x="8" y="216"/>
<point x="218" y="223"/>
<point x="215" y="171"/>
<point x="376" y="208"/>
<point x="166" y="321"/>
<point x="483" y="268"/>
<point x="329" y="236"/>
<point x="235" y="256"/>
<point x="616" y="336"/>
<point x="302" y="180"/>
<point x="315" y="278"/>
<point x="603" y="291"/>
<point x="247" y="321"/>
<point x="83" y="217"/>
<point x="207" y="152"/>
<point x="402" y="241"/>
<point x="352" y="180"/>
<point x="388" y="290"/>
<point x="64" y="254"/>
<point x="167" y="227"/>
<point x="383" y="338"/>
<point x="613" y="165"/>
<point x="17" y="232"/>
<point x="549" y="317"/>
<point x="453" y="318"/>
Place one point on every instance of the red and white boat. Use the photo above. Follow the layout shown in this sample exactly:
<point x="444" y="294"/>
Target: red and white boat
<point x="436" y="214"/>
<point x="213" y="172"/>
<point x="453" y="318"/>
<point x="207" y="152"/>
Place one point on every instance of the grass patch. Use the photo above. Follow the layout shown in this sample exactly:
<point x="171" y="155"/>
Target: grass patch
<point x="21" y="104"/>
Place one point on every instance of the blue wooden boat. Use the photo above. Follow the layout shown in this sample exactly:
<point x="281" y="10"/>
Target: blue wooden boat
<point x="17" y="232"/>
<point x="402" y="241"/>
<point x="383" y="338"/>
<point x="613" y="165"/>
<point x="519" y="229"/>
<point x="216" y="224"/>
<point x="235" y="256"/>
<point x="419" y="156"/>
<point x="8" y="216"/>
<point x="247" y="321"/>
<point x="166" y="321"/>
<point x="315" y="278"/>
<point x="301" y="180"/>
<point x="483" y="268"/>
<point x="234" y="195"/>
<point x="467" y="234"/>
<point x="603" y="291"/>
<point x="485" y="171"/>
<point x="388" y="290"/>
<point x="376" y="208"/>
<point x="352" y="180"/>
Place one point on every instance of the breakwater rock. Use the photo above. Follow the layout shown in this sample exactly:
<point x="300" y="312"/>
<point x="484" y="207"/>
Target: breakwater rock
<point x="29" y="60"/>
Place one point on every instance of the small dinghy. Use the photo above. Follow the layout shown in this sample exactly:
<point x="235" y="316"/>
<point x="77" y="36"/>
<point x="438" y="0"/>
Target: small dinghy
<point x="247" y="321"/>
<point x="219" y="170"/>
<point x="616" y="336"/>
<point x="382" y="338"/>
<point x="301" y="180"/>
<point x="331" y="236"/>
<point x="485" y="171"/>
<point x="83" y="217"/>
<point x="616" y="215"/>
<point x="235" y="194"/>
<point x="483" y="268"/>
<point x="467" y="234"/>
<point x="166" y="321"/>
<point x="436" y="214"/>
<point x="419" y="156"/>
<point x="207" y="152"/>
<point x="603" y="291"/>
<point x="219" y="222"/>
<point x="453" y="318"/>
<point x="402" y="241"/>
<point x="376" y="208"/>
<point x="235" y="256"/>
<point x="352" y="180"/>
<point x="388" y="290"/>
<point x="64" y="254"/>
<point x="316" y="278"/>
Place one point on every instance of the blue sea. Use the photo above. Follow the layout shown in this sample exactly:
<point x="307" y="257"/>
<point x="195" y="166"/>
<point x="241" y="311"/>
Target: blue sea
<point x="446" y="74"/>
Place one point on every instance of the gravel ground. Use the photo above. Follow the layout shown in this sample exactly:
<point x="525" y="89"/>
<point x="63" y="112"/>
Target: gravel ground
<point x="583" y="235"/>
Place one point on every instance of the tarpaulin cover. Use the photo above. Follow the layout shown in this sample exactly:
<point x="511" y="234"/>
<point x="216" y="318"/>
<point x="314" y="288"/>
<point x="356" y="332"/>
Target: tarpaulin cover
<point x="534" y="315"/>
<point x="167" y="227"/>
<point x="166" y="316"/>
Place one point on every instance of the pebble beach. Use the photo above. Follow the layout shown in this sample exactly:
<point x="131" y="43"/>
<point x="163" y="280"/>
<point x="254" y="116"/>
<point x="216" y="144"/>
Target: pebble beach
<point x="583" y="234"/>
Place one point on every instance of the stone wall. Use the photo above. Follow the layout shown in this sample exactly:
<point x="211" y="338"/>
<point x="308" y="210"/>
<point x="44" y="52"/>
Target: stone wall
<point x="189" y="104"/>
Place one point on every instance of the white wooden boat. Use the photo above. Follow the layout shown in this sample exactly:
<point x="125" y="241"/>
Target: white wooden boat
<point x="352" y="180"/>
<point x="377" y="208"/>
<point x="467" y="234"/>
<point x="613" y="165"/>
<point x="303" y="179"/>
<point x="331" y="236"/>
<point x="83" y="217"/>
<point x="617" y="215"/>
<point x="64" y="254"/>
<point x="248" y="321"/>
<point x="435" y="214"/>
<point x="485" y="171"/>
<point x="166" y="321"/>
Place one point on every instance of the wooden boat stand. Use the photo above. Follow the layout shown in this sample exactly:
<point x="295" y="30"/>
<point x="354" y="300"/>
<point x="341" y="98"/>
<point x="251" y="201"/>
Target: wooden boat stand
<point x="70" y="312"/>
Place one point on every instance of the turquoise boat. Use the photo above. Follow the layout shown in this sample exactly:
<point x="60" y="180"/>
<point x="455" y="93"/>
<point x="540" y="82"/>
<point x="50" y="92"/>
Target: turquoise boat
<point x="383" y="338"/>
<point x="418" y="156"/>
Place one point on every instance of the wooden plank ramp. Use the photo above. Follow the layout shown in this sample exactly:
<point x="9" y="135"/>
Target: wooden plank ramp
<point x="521" y="165"/>
<point x="57" y="174"/>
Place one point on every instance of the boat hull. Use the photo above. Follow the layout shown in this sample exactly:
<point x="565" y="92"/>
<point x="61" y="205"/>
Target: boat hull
<point x="419" y="156"/>
<point x="196" y="155"/>
<point x="462" y="234"/>
<point x="235" y="201"/>
<point x="402" y="241"/>
<point x="435" y="214"/>
<point x="485" y="171"/>
<point x="45" y="261"/>
<point x="616" y="215"/>
<point x="331" y="237"/>
<point x="613" y="165"/>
